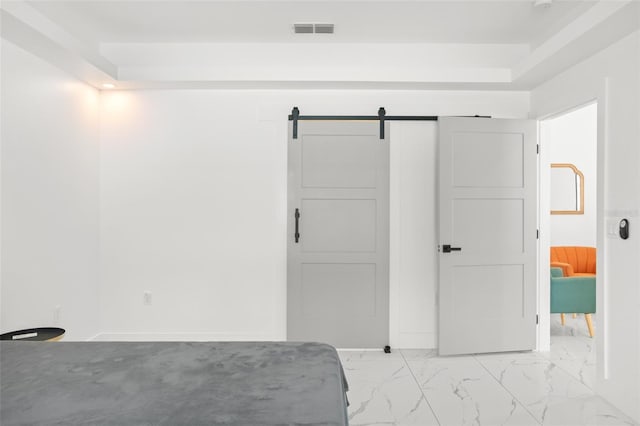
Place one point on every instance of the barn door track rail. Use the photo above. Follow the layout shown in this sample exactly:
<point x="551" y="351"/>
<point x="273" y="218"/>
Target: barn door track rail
<point x="382" y="117"/>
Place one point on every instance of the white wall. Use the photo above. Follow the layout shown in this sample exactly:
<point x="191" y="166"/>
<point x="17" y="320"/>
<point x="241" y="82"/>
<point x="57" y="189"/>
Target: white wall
<point x="413" y="267"/>
<point x="612" y="77"/>
<point x="193" y="207"/>
<point x="572" y="139"/>
<point x="49" y="197"/>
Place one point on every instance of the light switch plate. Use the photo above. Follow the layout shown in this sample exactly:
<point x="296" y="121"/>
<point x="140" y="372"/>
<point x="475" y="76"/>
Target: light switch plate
<point x="612" y="227"/>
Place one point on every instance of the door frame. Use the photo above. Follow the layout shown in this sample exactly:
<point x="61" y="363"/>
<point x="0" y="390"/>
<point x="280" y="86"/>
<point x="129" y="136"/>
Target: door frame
<point x="544" y="243"/>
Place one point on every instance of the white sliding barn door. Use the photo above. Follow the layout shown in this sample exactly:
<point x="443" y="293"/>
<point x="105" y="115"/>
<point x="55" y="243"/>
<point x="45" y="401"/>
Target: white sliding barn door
<point x="338" y="234"/>
<point x="488" y="235"/>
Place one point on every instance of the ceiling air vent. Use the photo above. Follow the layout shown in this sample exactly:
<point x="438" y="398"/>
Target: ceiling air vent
<point x="313" y="28"/>
<point x="303" y="28"/>
<point x="323" y="28"/>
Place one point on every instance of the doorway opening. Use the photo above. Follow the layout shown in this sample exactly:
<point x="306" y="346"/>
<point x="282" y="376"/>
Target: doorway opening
<point x="568" y="195"/>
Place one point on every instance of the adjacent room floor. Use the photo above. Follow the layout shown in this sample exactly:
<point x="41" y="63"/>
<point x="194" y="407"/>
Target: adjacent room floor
<point x="416" y="387"/>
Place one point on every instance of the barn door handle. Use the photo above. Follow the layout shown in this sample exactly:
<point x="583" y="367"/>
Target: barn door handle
<point x="446" y="248"/>
<point x="297" y="234"/>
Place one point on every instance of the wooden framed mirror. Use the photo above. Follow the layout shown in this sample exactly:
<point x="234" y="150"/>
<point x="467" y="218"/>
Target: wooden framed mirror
<point x="567" y="189"/>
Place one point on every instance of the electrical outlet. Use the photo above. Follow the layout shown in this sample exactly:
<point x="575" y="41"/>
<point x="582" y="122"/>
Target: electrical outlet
<point x="57" y="311"/>
<point x="147" y="298"/>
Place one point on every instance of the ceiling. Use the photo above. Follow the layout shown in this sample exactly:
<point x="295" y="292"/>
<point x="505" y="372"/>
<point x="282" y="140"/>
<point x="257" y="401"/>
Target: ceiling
<point x="512" y="21"/>
<point x="380" y="44"/>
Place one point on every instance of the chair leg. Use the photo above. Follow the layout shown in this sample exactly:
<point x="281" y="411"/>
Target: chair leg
<point x="562" y="319"/>
<point x="589" y="324"/>
<point x="575" y="316"/>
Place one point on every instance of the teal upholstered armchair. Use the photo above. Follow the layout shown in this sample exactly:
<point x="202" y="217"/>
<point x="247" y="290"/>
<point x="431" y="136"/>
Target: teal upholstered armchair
<point x="573" y="294"/>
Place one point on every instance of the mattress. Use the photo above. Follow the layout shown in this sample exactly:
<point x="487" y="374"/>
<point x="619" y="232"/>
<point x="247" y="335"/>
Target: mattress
<point x="171" y="383"/>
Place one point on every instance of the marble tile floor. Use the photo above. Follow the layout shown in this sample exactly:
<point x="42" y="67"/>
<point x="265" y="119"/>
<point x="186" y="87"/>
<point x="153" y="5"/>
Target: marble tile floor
<point x="416" y="387"/>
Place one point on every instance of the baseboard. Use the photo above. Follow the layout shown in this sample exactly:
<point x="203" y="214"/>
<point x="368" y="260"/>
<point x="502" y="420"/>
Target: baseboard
<point x="180" y="337"/>
<point x="406" y="340"/>
<point x="93" y="338"/>
<point x="360" y="349"/>
<point x="415" y="340"/>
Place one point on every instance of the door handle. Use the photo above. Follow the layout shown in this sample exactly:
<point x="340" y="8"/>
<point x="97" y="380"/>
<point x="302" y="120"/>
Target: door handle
<point x="446" y="248"/>
<point x="297" y="234"/>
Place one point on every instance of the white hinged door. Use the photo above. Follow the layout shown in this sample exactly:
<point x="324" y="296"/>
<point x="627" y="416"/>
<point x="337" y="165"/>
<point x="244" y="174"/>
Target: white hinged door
<point x="488" y="242"/>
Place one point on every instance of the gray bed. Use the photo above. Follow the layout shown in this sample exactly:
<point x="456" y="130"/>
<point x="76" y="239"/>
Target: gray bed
<point x="171" y="383"/>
